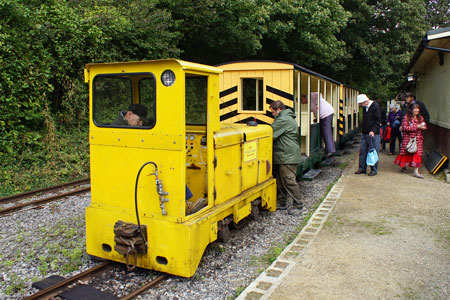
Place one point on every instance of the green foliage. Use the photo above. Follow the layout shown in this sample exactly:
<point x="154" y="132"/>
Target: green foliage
<point x="381" y="37"/>
<point x="62" y="158"/>
<point x="304" y="31"/>
<point x="216" y="31"/>
<point x="273" y="253"/>
<point x="438" y="13"/>
<point x="44" y="46"/>
<point x="16" y="284"/>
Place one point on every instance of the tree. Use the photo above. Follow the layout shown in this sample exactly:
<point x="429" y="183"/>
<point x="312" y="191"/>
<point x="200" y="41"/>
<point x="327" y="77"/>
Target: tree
<point x="217" y="31"/>
<point x="304" y="32"/>
<point x="438" y="13"/>
<point x="381" y="37"/>
<point x="44" y="46"/>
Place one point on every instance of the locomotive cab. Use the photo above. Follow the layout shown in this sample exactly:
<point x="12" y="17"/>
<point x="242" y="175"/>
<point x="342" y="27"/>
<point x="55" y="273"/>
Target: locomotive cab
<point x="166" y="179"/>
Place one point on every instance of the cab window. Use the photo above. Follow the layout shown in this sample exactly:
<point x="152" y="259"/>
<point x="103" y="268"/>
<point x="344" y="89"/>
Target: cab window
<point x="117" y="105"/>
<point x="196" y="99"/>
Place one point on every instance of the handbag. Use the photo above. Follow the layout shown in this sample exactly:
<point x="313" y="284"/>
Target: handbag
<point x="372" y="155"/>
<point x="412" y="145"/>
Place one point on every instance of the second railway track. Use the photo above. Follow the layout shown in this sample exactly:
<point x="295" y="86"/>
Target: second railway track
<point x="75" y="186"/>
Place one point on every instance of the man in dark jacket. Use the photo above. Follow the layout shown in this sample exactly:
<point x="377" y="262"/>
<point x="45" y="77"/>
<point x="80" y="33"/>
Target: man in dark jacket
<point x="286" y="156"/>
<point x="370" y="132"/>
<point x="410" y="99"/>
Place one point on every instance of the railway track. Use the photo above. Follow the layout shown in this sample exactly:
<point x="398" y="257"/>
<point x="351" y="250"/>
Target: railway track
<point x="68" y="284"/>
<point x="30" y="194"/>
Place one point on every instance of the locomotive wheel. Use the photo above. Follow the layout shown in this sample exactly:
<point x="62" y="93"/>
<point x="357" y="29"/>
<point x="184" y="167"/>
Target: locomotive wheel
<point x="256" y="211"/>
<point x="223" y="229"/>
<point x="224" y="234"/>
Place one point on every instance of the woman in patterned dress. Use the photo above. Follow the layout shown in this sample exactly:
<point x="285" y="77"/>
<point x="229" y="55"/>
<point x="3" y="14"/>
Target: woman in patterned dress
<point x="412" y="126"/>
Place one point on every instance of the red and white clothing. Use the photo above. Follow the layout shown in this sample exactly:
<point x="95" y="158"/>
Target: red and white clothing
<point x="410" y="130"/>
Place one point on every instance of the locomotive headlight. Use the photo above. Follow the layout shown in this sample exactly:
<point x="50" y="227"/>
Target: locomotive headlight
<point x="168" y="77"/>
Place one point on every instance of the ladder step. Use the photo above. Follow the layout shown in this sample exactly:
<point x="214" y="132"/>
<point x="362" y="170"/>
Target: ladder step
<point x="311" y="174"/>
<point x="327" y="161"/>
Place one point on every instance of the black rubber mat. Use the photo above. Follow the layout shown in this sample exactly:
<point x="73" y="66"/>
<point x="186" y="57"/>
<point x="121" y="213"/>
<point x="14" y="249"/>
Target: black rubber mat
<point x="46" y="282"/>
<point x="79" y="292"/>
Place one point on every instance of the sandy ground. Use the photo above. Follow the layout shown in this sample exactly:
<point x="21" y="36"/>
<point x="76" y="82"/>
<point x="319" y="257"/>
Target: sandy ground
<point x="387" y="238"/>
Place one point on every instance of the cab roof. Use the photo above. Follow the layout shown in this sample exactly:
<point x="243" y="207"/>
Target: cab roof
<point x="185" y="65"/>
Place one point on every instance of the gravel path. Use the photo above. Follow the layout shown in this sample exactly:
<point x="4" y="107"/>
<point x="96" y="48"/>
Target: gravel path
<point x="388" y="237"/>
<point x="37" y="243"/>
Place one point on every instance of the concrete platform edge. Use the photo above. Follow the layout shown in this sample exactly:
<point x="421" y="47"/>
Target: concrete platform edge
<point x="267" y="282"/>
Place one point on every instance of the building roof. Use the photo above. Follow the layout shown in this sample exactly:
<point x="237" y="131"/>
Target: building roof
<point x="437" y="40"/>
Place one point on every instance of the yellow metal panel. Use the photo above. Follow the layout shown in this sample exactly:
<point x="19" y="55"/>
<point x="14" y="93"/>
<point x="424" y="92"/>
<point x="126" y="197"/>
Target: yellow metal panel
<point x="181" y="245"/>
<point x="213" y="232"/>
<point x="226" y="137"/>
<point x="113" y="180"/>
<point x="228" y="172"/>
<point x="265" y="159"/>
<point x="135" y="138"/>
<point x="249" y="174"/>
<point x="241" y="212"/>
<point x="250" y="151"/>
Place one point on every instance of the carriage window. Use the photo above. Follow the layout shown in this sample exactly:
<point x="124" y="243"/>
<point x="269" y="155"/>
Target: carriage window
<point x="252" y="94"/>
<point x="114" y="105"/>
<point x="196" y="99"/>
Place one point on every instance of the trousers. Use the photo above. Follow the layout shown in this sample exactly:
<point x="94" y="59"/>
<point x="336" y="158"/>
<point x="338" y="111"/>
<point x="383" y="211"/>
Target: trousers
<point x="288" y="191"/>
<point x="364" y="149"/>
<point x="395" y="135"/>
<point x="326" y="128"/>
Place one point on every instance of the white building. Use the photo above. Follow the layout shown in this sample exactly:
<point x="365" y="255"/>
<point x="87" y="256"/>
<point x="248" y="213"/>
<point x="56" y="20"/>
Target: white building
<point x="429" y="78"/>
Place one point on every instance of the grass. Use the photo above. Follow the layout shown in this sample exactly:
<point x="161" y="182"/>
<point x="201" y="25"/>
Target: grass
<point x="238" y="291"/>
<point x="16" y="285"/>
<point x="63" y="158"/>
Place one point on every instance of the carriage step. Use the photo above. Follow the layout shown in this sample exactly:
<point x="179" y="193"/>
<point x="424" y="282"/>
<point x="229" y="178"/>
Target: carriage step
<point x="339" y="153"/>
<point x="327" y="161"/>
<point x="311" y="174"/>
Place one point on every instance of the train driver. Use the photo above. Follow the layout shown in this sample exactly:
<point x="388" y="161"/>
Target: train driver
<point x="134" y="116"/>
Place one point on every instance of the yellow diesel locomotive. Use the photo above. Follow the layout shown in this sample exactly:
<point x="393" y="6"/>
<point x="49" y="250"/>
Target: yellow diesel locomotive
<point x="167" y="178"/>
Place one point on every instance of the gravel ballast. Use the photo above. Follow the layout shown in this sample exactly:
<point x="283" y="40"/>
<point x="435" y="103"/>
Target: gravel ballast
<point x="37" y="243"/>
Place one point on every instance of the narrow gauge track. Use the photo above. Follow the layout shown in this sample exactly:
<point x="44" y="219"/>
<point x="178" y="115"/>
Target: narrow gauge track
<point x="56" y="289"/>
<point x="29" y="194"/>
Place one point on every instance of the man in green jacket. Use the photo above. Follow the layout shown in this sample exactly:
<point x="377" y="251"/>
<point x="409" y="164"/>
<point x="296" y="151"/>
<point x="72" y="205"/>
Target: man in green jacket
<point x="286" y="156"/>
